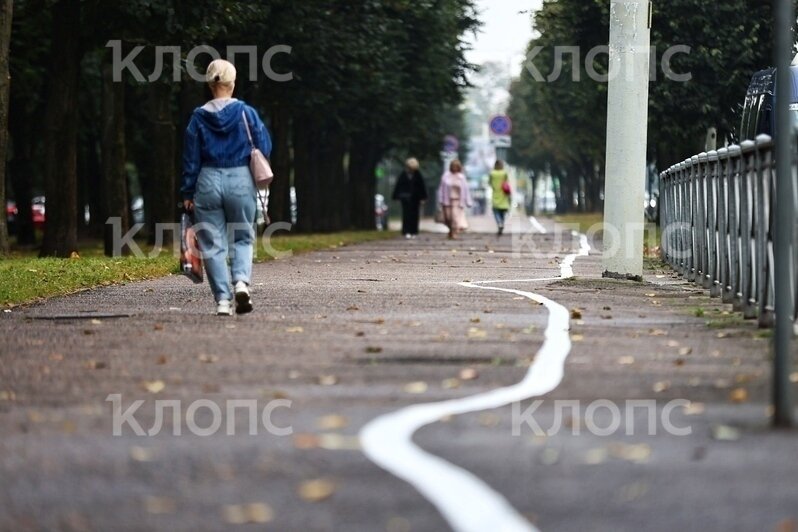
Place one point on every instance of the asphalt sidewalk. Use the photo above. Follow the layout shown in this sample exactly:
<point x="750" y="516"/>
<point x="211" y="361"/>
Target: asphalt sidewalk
<point x="349" y="334"/>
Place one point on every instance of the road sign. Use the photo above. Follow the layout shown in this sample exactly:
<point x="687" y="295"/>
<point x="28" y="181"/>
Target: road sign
<point x="501" y="126"/>
<point x="451" y="144"/>
<point x="504" y="141"/>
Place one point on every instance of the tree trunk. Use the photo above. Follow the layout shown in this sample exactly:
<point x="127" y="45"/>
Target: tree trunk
<point x="280" y="191"/>
<point x="6" y="10"/>
<point x="364" y="156"/>
<point x="60" y="132"/>
<point x="163" y="194"/>
<point x="22" y="170"/>
<point x="306" y="179"/>
<point x="114" y="157"/>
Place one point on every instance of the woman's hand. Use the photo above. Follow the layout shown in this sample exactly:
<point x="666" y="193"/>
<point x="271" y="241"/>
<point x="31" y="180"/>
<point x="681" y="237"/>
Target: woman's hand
<point x="188" y="205"/>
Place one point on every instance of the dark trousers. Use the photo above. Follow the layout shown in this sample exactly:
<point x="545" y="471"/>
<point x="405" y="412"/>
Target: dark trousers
<point x="410" y="216"/>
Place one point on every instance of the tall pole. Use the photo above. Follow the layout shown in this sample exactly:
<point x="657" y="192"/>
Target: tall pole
<point x="627" y="130"/>
<point x="784" y="16"/>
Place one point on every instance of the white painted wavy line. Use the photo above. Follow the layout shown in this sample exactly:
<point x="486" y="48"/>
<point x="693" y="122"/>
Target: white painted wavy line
<point x="466" y="502"/>
<point x="537" y="225"/>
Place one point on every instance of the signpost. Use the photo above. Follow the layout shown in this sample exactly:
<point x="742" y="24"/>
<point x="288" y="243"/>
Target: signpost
<point x="627" y="129"/>
<point x="449" y="153"/>
<point x="501" y="130"/>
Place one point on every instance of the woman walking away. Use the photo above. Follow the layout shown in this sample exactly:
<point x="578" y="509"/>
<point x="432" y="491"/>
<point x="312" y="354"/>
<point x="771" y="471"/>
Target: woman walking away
<point x="500" y="185"/>
<point x="411" y="190"/>
<point x="218" y="187"/>
<point x="454" y="197"/>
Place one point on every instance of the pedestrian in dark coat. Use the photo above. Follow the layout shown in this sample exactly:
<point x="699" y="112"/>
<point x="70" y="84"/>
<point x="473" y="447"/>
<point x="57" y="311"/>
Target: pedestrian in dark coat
<point x="411" y="191"/>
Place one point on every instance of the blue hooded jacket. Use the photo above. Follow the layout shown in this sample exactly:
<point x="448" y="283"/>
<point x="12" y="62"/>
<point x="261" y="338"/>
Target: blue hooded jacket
<point x="219" y="140"/>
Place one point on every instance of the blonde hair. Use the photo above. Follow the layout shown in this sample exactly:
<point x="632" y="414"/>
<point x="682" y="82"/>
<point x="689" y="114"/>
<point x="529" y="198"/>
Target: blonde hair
<point x="221" y="73"/>
<point x="412" y="164"/>
<point x="456" y="167"/>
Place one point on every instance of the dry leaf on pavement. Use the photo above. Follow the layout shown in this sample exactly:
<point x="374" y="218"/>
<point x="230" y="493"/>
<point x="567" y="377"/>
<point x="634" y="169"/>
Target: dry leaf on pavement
<point x="725" y="433"/>
<point x="416" y="387"/>
<point x="468" y="374"/>
<point x="316" y="490"/>
<point x="332" y="422"/>
<point x="738" y="395"/>
<point x="154" y="386"/>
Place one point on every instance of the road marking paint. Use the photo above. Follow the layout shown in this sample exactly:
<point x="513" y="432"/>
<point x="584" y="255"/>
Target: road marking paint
<point x="537" y="225"/>
<point x="466" y="502"/>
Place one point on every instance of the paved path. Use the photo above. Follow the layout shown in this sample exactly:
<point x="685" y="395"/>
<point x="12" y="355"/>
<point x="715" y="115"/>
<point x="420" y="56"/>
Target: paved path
<point x="349" y="335"/>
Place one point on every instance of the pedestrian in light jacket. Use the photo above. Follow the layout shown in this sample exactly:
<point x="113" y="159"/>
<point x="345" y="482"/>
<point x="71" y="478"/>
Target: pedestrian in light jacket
<point x="218" y="187"/>
<point x="454" y="196"/>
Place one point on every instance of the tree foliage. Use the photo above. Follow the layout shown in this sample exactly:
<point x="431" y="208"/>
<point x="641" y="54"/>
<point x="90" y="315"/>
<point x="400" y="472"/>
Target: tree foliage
<point x="561" y="124"/>
<point x="370" y="78"/>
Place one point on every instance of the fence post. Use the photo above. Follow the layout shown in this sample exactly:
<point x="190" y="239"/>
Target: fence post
<point x="784" y="17"/>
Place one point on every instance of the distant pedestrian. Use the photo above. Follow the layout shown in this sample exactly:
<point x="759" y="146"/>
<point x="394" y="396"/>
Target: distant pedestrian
<point x="411" y="191"/>
<point x="454" y="197"/>
<point x="218" y="186"/>
<point x="502" y="194"/>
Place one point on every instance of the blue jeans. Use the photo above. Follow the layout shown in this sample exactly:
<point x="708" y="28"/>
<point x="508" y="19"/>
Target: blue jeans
<point x="500" y="215"/>
<point x="225" y="215"/>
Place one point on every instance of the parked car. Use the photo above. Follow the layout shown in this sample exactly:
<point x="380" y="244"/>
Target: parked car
<point x="651" y="205"/>
<point x="758" y="116"/>
<point x="37" y="214"/>
<point x="381" y="212"/>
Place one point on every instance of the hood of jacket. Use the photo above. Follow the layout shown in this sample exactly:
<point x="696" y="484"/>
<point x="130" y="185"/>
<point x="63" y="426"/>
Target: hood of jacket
<point x="224" y="121"/>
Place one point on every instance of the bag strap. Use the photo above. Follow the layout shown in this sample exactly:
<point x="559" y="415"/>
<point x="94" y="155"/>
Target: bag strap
<point x="249" y="131"/>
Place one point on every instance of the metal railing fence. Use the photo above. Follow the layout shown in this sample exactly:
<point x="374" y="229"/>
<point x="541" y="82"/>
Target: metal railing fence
<point x="718" y="216"/>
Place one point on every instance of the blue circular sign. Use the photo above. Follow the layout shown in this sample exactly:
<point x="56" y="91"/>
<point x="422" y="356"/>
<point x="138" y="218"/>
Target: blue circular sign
<point x="501" y="125"/>
<point x="451" y="143"/>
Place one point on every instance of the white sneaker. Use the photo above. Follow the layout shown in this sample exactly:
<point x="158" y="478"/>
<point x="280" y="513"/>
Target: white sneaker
<point x="243" y="298"/>
<point x="224" y="308"/>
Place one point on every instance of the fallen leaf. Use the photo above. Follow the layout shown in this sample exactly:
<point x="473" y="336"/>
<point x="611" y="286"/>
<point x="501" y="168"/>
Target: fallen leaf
<point x="157" y="327"/>
<point x="328" y="380"/>
<point x="631" y="453"/>
<point x="159" y="505"/>
<point x="576" y="314"/>
<point x="161" y="360"/>
<point x="56" y="357"/>
<point x="693" y="409"/>
<point x="141" y="454"/>
<point x="661" y="386"/>
<point x="685" y="351"/>
<point x="339" y="442"/>
<point x="577" y="338"/>
<point x="657" y="332"/>
<point x="353" y="308"/>
<point x="154" y="386"/>
<point x="306" y="441"/>
<point x="373" y="350"/>
<point x="475" y="333"/>
<point x="595" y="456"/>
<point x="241" y="514"/>
<point x="725" y="433"/>
<point x="96" y="322"/>
<point x="316" y="490"/>
<point x="549" y="456"/>
<point x="332" y="422"/>
<point x="489" y="420"/>
<point x="626" y="360"/>
<point x="450" y="384"/>
<point x="475" y="320"/>
<point x="673" y="343"/>
<point x="96" y="364"/>
<point x="468" y="374"/>
<point x="208" y="359"/>
<point x="738" y="395"/>
<point x="651" y="295"/>
<point x="416" y="387"/>
<point x="294" y="330"/>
